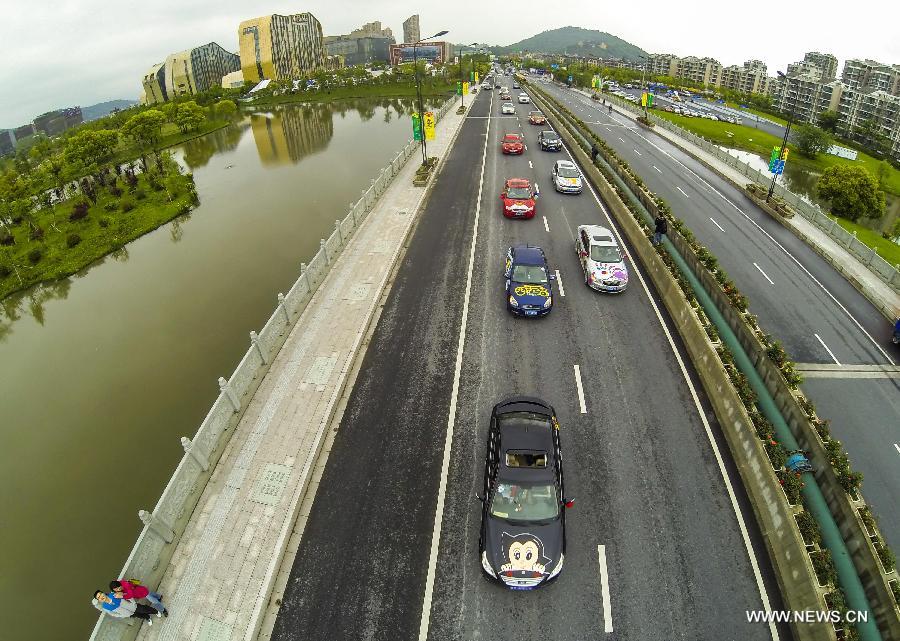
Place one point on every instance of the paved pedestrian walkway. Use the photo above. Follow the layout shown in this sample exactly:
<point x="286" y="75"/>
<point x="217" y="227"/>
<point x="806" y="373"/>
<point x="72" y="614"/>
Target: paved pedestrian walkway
<point x="876" y="290"/>
<point x="240" y="543"/>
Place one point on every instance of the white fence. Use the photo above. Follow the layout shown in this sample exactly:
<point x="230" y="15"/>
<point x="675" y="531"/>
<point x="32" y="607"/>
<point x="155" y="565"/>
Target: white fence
<point x="867" y="256"/>
<point x="165" y="525"/>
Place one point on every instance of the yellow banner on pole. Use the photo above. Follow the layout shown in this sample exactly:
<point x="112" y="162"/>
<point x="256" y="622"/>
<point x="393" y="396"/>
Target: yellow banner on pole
<point x="429" y="125"/>
<point x="465" y="87"/>
<point x="476" y="77"/>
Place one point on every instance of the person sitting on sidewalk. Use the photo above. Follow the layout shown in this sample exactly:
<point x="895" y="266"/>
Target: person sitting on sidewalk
<point x="133" y="590"/>
<point x="113" y="606"/>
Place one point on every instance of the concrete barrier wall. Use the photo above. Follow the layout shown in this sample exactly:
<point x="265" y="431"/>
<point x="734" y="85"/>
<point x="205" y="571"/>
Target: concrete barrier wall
<point x="795" y="575"/>
<point x="164" y="526"/>
<point x="843" y="508"/>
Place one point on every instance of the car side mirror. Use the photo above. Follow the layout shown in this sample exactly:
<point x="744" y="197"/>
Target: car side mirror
<point x="569" y="502"/>
<point x="552" y="276"/>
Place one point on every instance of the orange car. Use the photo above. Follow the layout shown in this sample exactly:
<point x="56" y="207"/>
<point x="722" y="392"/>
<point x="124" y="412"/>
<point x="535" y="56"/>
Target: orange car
<point x="536" y="118"/>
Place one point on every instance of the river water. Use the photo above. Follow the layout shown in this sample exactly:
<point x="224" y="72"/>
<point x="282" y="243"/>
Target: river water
<point x="101" y="374"/>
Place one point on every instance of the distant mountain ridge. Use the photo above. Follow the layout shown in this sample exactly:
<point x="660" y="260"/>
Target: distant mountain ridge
<point x="576" y="41"/>
<point x="104" y="108"/>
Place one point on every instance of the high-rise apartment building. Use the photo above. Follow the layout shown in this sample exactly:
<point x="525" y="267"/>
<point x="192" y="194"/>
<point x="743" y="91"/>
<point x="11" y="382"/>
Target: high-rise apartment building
<point x="869" y="75"/>
<point x="699" y="71"/>
<point x="750" y="78"/>
<point x="188" y="72"/>
<point x="280" y="47"/>
<point x="663" y="64"/>
<point x="361" y="46"/>
<point x="806" y="96"/>
<point x="411" y="31"/>
<point x="824" y="61"/>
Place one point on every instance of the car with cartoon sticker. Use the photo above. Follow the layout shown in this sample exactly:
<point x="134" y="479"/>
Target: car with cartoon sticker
<point x="602" y="260"/>
<point x="512" y="144"/>
<point x="518" y="197"/>
<point x="523" y="519"/>
<point x="529" y="281"/>
<point x="566" y="177"/>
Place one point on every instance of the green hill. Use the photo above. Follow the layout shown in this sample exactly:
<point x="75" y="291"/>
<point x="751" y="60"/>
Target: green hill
<point x="575" y="41"/>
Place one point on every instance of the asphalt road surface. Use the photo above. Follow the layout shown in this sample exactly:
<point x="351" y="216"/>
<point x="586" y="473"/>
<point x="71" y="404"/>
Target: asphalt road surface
<point x="641" y="458"/>
<point x="799" y="298"/>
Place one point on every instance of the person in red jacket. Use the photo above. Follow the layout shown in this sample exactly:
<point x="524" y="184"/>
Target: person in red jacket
<point x="132" y="589"/>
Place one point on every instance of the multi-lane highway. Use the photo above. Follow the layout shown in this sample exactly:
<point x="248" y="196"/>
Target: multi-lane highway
<point x="657" y="502"/>
<point x="798" y="296"/>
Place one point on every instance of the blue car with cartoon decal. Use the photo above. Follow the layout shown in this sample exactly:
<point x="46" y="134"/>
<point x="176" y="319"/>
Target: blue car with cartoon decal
<point x="529" y="283"/>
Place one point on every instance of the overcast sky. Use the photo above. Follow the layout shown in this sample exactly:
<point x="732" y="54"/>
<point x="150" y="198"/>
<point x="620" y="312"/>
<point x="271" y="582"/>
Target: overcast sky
<point x="80" y="52"/>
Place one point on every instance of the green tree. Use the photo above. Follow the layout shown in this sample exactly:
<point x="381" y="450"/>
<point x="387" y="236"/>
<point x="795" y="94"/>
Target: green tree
<point x="145" y="128"/>
<point x="189" y="116"/>
<point x="811" y="140"/>
<point x="226" y="109"/>
<point x="169" y="110"/>
<point x="828" y="120"/>
<point x="853" y="192"/>
<point x="91" y="148"/>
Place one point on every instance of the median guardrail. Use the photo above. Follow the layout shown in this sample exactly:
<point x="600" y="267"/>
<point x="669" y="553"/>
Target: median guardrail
<point x="165" y="524"/>
<point x="793" y="557"/>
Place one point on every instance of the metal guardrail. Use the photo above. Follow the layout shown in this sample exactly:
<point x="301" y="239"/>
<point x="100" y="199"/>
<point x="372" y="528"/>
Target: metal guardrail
<point x="887" y="273"/>
<point x="164" y="526"/>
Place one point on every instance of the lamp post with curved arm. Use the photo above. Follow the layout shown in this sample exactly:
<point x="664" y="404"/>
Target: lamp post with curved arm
<point x="419" y="94"/>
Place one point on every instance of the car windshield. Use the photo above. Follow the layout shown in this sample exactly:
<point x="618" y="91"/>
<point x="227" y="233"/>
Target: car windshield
<point x="518" y="193"/>
<point x="524" y="503"/>
<point x="605" y="254"/>
<point x="536" y="114"/>
<point x="529" y="274"/>
<point x="511" y="138"/>
<point x="549" y="135"/>
<point x="568" y="172"/>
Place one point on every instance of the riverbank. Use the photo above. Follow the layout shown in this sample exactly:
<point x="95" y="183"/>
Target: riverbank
<point x="358" y="91"/>
<point x="64" y="246"/>
<point x="171" y="136"/>
<point x="761" y="143"/>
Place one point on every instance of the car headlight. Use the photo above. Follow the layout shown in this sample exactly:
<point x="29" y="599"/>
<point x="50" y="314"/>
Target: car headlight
<point x="548" y="302"/>
<point x="555" y="571"/>
<point x="487" y="564"/>
<point x="513" y="301"/>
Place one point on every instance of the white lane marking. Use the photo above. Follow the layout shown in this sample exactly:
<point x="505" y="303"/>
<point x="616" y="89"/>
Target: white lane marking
<point x="637" y="152"/>
<point x="657" y="168"/>
<point x="622" y="139"/>
<point x="526" y="147"/>
<point x="604" y="589"/>
<point x="682" y="191"/>
<point x="562" y="290"/>
<point x="766" y="276"/>
<point x="701" y="414"/>
<point x="830" y="353"/>
<point x="898" y="447"/>
<point x="716" y="224"/>
<point x="607" y="128"/>
<point x="530" y="166"/>
<point x="580" y="390"/>
<point x="451" y="416"/>
<point x="777" y="244"/>
<point x="546" y="224"/>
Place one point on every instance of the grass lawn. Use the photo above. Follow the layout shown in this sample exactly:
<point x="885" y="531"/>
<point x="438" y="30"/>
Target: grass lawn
<point x="57" y="260"/>
<point x="886" y="249"/>
<point x="759" y="142"/>
<point x="363" y="91"/>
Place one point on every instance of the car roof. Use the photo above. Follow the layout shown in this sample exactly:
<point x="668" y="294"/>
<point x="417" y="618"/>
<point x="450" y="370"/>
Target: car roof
<point x="549" y="132"/>
<point x="518" y="182"/>
<point x="529" y="255"/>
<point x="525" y="435"/>
<point x="599" y="235"/>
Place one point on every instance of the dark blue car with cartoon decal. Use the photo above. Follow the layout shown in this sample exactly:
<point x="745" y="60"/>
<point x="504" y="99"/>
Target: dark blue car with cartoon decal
<point x="529" y="286"/>
<point x="523" y="520"/>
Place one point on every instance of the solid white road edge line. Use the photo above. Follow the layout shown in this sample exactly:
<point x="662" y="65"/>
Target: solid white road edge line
<point x="604" y="589"/>
<point x="451" y="416"/>
<point x="754" y="564"/>
<point x="766" y="276"/>
<point x="830" y="353"/>
<point x="716" y="224"/>
<point x="546" y="224"/>
<point x="580" y="390"/>
<point x="562" y="290"/>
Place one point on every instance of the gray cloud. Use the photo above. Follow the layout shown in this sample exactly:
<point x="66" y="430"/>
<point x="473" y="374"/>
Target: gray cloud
<point x="86" y="51"/>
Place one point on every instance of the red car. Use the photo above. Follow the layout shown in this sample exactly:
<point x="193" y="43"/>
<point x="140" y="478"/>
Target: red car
<point x="512" y="144"/>
<point x="536" y="118"/>
<point x="518" y="198"/>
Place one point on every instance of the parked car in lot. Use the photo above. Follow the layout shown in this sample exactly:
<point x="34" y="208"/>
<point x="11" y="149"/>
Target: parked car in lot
<point x="523" y="98"/>
<point x="522" y="543"/>
<point x="512" y="144"/>
<point x="515" y="85"/>
<point x="602" y="261"/>
<point x="529" y="287"/>
<point x="566" y="177"/>
<point x="549" y="141"/>
<point x="508" y="108"/>
<point x="518" y="197"/>
<point x="536" y="118"/>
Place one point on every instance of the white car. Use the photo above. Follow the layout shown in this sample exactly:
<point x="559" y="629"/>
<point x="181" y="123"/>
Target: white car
<point x="602" y="261"/>
<point x="523" y="98"/>
<point x="566" y="177"/>
<point x="508" y="108"/>
<point x="485" y="85"/>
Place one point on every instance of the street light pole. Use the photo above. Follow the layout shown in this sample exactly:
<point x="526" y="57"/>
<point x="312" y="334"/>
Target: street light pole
<point x="787" y="132"/>
<point x="643" y="89"/>
<point x="419" y="95"/>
